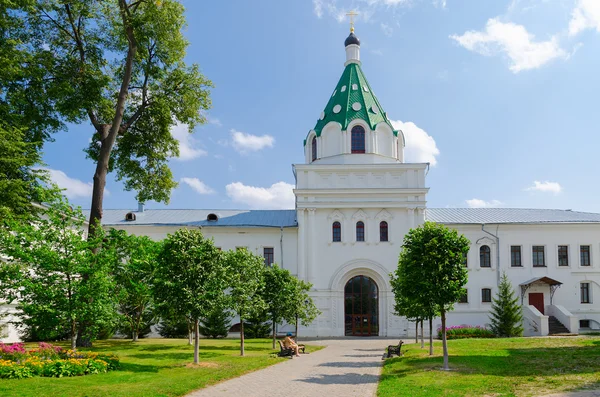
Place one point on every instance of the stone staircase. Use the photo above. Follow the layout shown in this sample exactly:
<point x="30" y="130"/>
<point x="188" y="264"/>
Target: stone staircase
<point x="555" y="327"/>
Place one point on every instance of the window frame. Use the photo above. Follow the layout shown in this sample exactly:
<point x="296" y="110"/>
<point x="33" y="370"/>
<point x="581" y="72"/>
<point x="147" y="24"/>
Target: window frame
<point x="566" y="256"/>
<point x="464" y="298"/>
<point x="339" y="232"/>
<point x="584" y="323"/>
<point x="589" y="255"/>
<point x="585" y="298"/>
<point x="489" y="256"/>
<point x="360" y="225"/>
<point x="487" y="290"/>
<point x="533" y="256"/>
<point x="355" y="145"/>
<point x="313" y="148"/>
<point x="387" y="231"/>
<point x="512" y="263"/>
<point x="268" y="256"/>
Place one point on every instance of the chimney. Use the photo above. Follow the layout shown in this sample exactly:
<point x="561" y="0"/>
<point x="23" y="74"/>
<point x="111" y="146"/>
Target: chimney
<point x="140" y="207"/>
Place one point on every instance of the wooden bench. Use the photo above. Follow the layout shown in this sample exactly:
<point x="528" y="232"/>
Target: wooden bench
<point x="393" y="349"/>
<point x="289" y="352"/>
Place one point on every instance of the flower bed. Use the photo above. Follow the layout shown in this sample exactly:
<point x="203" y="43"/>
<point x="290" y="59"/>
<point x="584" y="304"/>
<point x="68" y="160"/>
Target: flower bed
<point x="16" y="362"/>
<point x="466" y="331"/>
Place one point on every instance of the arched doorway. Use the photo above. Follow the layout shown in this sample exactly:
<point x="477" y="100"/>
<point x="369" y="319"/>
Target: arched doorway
<point x="361" y="307"/>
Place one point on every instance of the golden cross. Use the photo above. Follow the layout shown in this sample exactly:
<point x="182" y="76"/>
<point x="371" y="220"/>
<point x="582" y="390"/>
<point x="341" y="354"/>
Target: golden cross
<point x="352" y="14"/>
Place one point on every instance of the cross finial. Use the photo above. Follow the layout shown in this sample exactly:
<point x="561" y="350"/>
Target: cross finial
<point x="352" y="14"/>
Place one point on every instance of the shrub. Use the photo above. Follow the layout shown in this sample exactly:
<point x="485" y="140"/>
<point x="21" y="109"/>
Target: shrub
<point x="52" y="361"/>
<point x="466" y="331"/>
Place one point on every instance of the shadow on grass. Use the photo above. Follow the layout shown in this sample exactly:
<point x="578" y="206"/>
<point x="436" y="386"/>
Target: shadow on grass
<point x="139" y="367"/>
<point x="173" y="356"/>
<point x="543" y="361"/>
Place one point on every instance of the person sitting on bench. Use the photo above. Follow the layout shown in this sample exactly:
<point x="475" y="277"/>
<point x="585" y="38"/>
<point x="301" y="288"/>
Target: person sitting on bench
<point x="289" y="343"/>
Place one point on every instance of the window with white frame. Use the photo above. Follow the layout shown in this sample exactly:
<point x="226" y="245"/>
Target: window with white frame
<point x="515" y="256"/>
<point x="538" y="256"/>
<point x="585" y="293"/>
<point x="485" y="256"/>
<point x="563" y="255"/>
<point x="486" y="295"/>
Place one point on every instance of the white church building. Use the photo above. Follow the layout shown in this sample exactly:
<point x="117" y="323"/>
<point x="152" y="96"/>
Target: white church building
<point x="356" y="199"/>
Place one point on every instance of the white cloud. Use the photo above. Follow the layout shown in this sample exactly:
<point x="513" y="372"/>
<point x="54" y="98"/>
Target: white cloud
<point x="199" y="186"/>
<point x="74" y="188"/>
<point x="387" y="29"/>
<point x="545" y="187"/>
<point x="377" y="52"/>
<point x="515" y="42"/>
<point x="318" y="8"/>
<point x="279" y="196"/>
<point x="214" y="121"/>
<point x="420" y="146"/>
<point x="244" y="142"/>
<point x="365" y="8"/>
<point x="188" y="146"/>
<point x="478" y="203"/>
<point x="586" y="15"/>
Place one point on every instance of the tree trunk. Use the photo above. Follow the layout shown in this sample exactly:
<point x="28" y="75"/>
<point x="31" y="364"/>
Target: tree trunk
<point x="422" y="336"/>
<point x="196" y="341"/>
<point x="135" y="336"/>
<point x="444" y="344"/>
<point x="417" y="331"/>
<point x="430" y="336"/>
<point x="190" y="332"/>
<point x="274" y="333"/>
<point x="73" y="335"/>
<point x="241" y="336"/>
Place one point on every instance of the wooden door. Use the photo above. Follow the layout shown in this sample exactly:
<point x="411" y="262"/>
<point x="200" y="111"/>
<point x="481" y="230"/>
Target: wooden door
<point x="537" y="299"/>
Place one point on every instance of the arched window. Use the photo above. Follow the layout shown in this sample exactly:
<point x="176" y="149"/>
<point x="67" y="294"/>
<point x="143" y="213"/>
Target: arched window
<point x="314" y="148"/>
<point x="360" y="231"/>
<point x="337" y="232"/>
<point x="383" y="231"/>
<point x="358" y="139"/>
<point x="485" y="259"/>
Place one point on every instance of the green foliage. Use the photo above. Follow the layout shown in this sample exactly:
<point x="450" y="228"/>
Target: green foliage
<point x="50" y="261"/>
<point x="21" y="183"/>
<point x="245" y="281"/>
<point x="506" y="317"/>
<point x="117" y="64"/>
<point x="465" y="332"/>
<point x="257" y="325"/>
<point x="216" y="324"/>
<point x="190" y="277"/>
<point x="133" y="272"/>
<point x="430" y="276"/>
<point x="173" y="327"/>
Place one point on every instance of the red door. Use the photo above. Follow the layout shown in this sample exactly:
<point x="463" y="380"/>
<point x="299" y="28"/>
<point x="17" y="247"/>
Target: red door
<point x="537" y="299"/>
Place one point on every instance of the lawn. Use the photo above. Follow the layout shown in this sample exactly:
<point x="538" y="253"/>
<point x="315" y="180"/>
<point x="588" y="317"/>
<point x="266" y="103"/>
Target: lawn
<point x="495" y="367"/>
<point x="154" y="367"/>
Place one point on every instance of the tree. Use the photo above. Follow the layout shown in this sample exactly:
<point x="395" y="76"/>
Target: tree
<point x="506" y="317"/>
<point x="216" y="324"/>
<point x="117" y="64"/>
<point x="133" y="272"/>
<point x="430" y="273"/>
<point x="190" y="277"/>
<point x="302" y="305"/>
<point x="21" y="182"/>
<point x="278" y="296"/>
<point x="48" y="260"/>
<point x="245" y="271"/>
<point x="174" y="327"/>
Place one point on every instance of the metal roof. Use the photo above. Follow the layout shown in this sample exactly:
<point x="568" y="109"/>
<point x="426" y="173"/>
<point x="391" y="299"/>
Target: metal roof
<point x="226" y="218"/>
<point x="507" y="215"/>
<point x="287" y="218"/>
<point x="544" y="279"/>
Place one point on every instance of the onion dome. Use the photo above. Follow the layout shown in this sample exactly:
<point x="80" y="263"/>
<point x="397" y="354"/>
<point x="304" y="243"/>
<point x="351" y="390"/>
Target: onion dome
<point x="351" y="39"/>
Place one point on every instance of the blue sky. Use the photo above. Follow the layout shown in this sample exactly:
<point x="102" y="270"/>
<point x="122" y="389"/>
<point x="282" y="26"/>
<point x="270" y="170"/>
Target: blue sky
<point x="501" y="97"/>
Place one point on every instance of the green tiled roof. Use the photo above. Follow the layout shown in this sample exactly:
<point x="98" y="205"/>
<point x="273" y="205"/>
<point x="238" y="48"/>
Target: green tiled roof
<point x="353" y="88"/>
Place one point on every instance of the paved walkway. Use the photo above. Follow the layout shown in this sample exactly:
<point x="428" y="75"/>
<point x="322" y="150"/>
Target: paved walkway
<point x="346" y="367"/>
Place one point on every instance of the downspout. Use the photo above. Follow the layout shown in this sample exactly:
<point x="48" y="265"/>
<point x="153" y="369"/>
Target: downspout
<point x="281" y="245"/>
<point x="497" y="250"/>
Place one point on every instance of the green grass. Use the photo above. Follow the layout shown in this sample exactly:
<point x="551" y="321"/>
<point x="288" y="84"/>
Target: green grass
<point x="154" y="367"/>
<point x="495" y="367"/>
